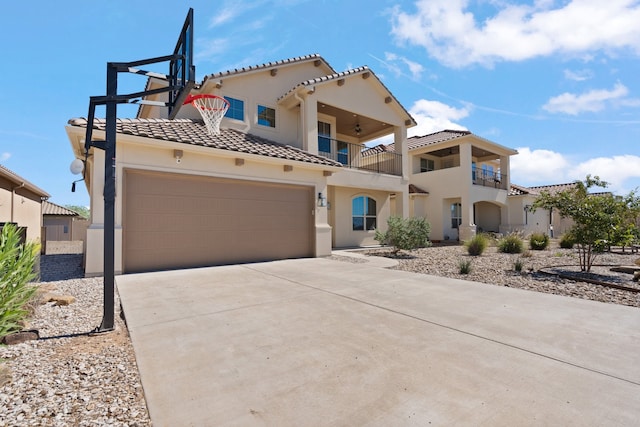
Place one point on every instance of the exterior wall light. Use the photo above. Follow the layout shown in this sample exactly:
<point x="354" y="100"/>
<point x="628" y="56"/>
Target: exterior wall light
<point x="177" y="154"/>
<point x="322" y="200"/>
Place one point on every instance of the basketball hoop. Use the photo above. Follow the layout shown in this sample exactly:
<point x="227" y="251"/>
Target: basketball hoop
<point x="212" y="108"/>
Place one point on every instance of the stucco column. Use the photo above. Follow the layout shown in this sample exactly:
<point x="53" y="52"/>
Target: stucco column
<point x="323" y="229"/>
<point x="467" y="228"/>
<point x="309" y="119"/>
<point x="95" y="232"/>
<point x="505" y="172"/>
<point x="402" y="197"/>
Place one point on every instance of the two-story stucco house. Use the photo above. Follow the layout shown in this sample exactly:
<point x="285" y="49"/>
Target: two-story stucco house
<point x="459" y="182"/>
<point x="286" y="177"/>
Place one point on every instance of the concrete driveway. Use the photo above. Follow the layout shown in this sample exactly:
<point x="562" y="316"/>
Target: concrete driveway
<point x="315" y="342"/>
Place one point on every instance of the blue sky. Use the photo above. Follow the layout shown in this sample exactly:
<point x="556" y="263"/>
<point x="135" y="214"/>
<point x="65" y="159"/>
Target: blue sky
<point x="555" y="79"/>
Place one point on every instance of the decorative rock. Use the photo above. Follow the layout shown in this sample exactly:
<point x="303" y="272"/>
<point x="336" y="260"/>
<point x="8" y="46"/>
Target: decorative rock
<point x="20" y="337"/>
<point x="637" y="262"/>
<point x="57" y="299"/>
<point x="636" y="276"/>
<point x="629" y="269"/>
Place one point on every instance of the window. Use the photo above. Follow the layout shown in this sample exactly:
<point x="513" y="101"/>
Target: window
<point x="343" y="152"/>
<point x="427" y="165"/>
<point x="363" y="211"/>
<point x="266" y="116"/>
<point x="324" y="137"/>
<point x="236" y="109"/>
<point x="487" y="171"/>
<point x="456" y="215"/>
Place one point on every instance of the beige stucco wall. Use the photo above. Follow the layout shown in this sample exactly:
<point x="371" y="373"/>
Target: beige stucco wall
<point x="145" y="154"/>
<point x="26" y="211"/>
<point x="341" y="205"/>
<point x="260" y="87"/>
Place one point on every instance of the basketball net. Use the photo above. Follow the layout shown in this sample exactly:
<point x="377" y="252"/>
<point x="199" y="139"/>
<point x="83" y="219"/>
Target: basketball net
<point x="212" y="109"/>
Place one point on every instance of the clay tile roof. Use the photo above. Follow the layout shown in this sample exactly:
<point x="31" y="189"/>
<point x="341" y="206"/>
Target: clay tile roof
<point x="49" y="208"/>
<point x="18" y="180"/>
<point x="433" y="138"/>
<point x="554" y="188"/>
<point x="517" y="190"/>
<point x="336" y="76"/>
<point x="314" y="57"/>
<point x="416" y="190"/>
<point x="194" y="132"/>
<point x="380" y="148"/>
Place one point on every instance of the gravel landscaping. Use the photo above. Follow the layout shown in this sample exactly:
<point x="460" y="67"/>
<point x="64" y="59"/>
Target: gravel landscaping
<point x="69" y="377"/>
<point x="498" y="269"/>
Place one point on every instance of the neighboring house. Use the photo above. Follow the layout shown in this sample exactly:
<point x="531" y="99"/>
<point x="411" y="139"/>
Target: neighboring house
<point x="459" y="182"/>
<point x="547" y="221"/>
<point x="62" y="224"/>
<point x="21" y="203"/>
<point x="287" y="176"/>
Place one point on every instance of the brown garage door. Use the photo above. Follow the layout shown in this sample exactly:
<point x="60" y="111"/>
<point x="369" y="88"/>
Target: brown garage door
<point x="179" y="221"/>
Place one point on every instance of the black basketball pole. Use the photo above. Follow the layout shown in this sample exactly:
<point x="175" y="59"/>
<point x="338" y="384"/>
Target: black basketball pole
<point x="109" y="199"/>
<point x="181" y="79"/>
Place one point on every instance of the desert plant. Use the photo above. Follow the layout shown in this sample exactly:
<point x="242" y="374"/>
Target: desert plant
<point x="16" y="271"/>
<point x="510" y="244"/>
<point x="526" y="254"/>
<point x="405" y="233"/>
<point x="518" y="265"/>
<point x="464" y="266"/>
<point x="538" y="241"/>
<point x="567" y="241"/>
<point x="477" y="244"/>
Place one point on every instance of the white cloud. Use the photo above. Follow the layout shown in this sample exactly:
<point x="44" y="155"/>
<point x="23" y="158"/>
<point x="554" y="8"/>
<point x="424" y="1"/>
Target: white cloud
<point x="392" y="60"/>
<point x="4" y="156"/>
<point x="616" y="170"/>
<point x="592" y="101"/>
<point x="546" y="167"/>
<point x="455" y="37"/>
<point x="212" y="49"/>
<point x="434" y="116"/>
<point x="538" y="167"/>
<point x="578" y="75"/>
<point x="225" y="14"/>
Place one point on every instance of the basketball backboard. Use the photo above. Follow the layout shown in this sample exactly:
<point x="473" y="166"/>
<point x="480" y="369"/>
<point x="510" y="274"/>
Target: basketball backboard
<point x="182" y="72"/>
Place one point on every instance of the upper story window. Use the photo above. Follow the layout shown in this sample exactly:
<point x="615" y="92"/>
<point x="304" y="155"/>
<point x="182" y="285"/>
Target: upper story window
<point x="266" y="116"/>
<point x="324" y="137"/>
<point x="427" y="165"/>
<point x="236" y="109"/>
<point x="363" y="213"/>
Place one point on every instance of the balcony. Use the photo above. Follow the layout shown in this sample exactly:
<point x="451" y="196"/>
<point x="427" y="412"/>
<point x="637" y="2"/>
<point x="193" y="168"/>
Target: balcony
<point x="358" y="156"/>
<point x="489" y="179"/>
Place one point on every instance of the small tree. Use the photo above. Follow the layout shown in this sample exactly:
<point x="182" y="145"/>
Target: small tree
<point x="405" y="234"/>
<point x="16" y="271"/>
<point x="598" y="218"/>
<point x="83" y="211"/>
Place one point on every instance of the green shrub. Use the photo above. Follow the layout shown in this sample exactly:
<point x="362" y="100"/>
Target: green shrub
<point x="16" y="271"/>
<point x="405" y="233"/>
<point x="567" y="241"/>
<point x="464" y="266"/>
<point x="518" y="265"/>
<point x="477" y="244"/>
<point x="538" y="241"/>
<point x="510" y="244"/>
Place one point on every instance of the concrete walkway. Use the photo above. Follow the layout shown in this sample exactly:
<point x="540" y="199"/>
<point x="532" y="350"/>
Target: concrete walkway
<point x="315" y="342"/>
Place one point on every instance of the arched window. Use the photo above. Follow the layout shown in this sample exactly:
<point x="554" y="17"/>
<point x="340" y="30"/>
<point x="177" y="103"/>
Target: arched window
<point x="363" y="213"/>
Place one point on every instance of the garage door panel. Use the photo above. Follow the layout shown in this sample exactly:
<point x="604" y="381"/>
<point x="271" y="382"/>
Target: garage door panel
<point x="180" y="221"/>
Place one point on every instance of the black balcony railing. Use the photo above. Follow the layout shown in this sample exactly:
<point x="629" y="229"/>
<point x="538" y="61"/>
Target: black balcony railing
<point x="357" y="156"/>
<point x="489" y="179"/>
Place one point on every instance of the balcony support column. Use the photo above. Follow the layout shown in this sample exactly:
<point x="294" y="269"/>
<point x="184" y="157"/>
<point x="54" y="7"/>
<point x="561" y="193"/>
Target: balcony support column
<point x="401" y="147"/>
